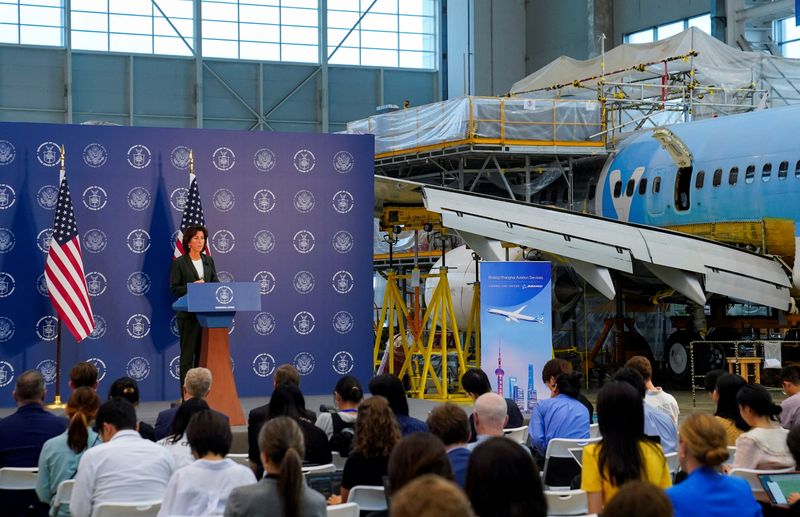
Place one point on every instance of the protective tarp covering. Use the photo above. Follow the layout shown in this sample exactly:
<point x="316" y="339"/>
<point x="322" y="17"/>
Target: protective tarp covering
<point x="714" y="63"/>
<point x="486" y="120"/>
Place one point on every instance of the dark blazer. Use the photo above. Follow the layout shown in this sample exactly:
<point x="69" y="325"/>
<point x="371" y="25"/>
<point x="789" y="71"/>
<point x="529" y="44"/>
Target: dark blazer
<point x="23" y="433"/>
<point x="316" y="441"/>
<point x="183" y="272"/>
<point x="165" y="419"/>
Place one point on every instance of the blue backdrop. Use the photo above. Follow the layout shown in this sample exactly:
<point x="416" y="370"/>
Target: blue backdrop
<point x="290" y="211"/>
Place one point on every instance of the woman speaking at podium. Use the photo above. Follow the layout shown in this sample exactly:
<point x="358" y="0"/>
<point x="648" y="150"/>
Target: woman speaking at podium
<point x="193" y="266"/>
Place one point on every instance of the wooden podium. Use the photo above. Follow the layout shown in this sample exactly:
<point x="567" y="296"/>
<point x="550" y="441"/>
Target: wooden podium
<point x="215" y="306"/>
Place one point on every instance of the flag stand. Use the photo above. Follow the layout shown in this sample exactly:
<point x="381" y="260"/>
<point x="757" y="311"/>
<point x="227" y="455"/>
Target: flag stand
<point x="57" y="404"/>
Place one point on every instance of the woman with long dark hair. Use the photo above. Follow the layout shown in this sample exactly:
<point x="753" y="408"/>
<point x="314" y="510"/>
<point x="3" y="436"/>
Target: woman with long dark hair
<point x="764" y="445"/>
<point x="60" y="455"/>
<point x="727" y="413"/>
<point x="176" y="442"/>
<point x="347" y="395"/>
<point x="283" y="490"/>
<point x="194" y="266"/>
<point x="503" y="481"/>
<point x="625" y="453"/>
<point x="376" y="435"/>
<point x="287" y="400"/>
<point x="391" y="388"/>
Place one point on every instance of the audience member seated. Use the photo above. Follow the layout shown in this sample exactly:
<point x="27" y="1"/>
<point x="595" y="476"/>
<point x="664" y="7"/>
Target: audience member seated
<point x="640" y="499"/>
<point x="284" y="374"/>
<point x="391" y="388"/>
<point x="22" y="435"/>
<point x="83" y="374"/>
<point x="283" y="490"/>
<point x="376" y="435"/>
<point x="560" y="416"/>
<point x="431" y="496"/>
<point x="126" y="468"/>
<point x="197" y="385"/>
<point x="624" y="453"/>
<point x="710" y="382"/>
<point x="657" y="424"/>
<point x="415" y="455"/>
<point x="339" y="426"/>
<point x="655" y="396"/>
<point x="727" y="412"/>
<point x="476" y="383"/>
<point x="764" y="445"/>
<point x="790" y="407"/>
<point x="702" y="448"/>
<point x="203" y="487"/>
<point x="127" y="388"/>
<point x="503" y="480"/>
<point x="60" y="455"/>
<point x="450" y="424"/>
<point x="177" y="443"/>
<point x="793" y="442"/>
<point x="287" y="400"/>
<point x="555" y="367"/>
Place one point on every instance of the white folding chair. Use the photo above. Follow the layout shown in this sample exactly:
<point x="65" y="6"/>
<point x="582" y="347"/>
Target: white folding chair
<point x="138" y="509"/>
<point x="751" y="476"/>
<point x="63" y="494"/>
<point x="560" y="448"/>
<point x="672" y="463"/>
<point x="518" y="434"/>
<point x="17" y="478"/>
<point x="731" y="455"/>
<point x="368" y="498"/>
<point x="240" y="458"/>
<point x="569" y="502"/>
<point x="577" y="454"/>
<point x="344" y="510"/>
<point x="338" y="460"/>
<point x="594" y="430"/>
<point x="318" y="469"/>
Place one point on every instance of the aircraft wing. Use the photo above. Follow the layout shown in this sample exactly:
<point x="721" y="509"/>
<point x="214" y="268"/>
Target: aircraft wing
<point x="594" y="246"/>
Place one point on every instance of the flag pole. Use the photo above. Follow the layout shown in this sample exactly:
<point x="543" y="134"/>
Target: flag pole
<point x="57" y="404"/>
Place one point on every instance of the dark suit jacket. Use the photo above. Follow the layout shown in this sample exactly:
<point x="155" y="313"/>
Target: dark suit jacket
<point x="23" y="433"/>
<point x="183" y="272"/>
<point x="165" y="419"/>
<point x="316" y="441"/>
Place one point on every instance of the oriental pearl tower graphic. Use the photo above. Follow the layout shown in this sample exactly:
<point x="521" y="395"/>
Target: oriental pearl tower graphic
<point x="499" y="371"/>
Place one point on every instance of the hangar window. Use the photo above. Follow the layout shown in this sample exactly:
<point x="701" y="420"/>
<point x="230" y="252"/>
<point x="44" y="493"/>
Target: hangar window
<point x="657" y="185"/>
<point x="749" y="173"/>
<point x="651" y="34"/>
<point x="617" y="188"/>
<point x="787" y="35"/>
<point x="698" y="181"/>
<point x="783" y="170"/>
<point x="766" y="172"/>
<point x="630" y="188"/>
<point x="643" y="186"/>
<point x="717" y="178"/>
<point x="733" y="175"/>
<point x="34" y="22"/>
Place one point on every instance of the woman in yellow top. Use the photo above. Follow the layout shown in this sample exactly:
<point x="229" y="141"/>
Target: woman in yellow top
<point x="625" y="453"/>
<point x="727" y="412"/>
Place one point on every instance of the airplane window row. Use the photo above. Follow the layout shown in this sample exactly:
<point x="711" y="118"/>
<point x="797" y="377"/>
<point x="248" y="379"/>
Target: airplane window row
<point x="699" y="181"/>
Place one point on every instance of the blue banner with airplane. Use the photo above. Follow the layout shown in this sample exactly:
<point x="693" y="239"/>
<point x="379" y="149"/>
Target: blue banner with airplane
<point x="516" y="328"/>
<point x="289" y="211"/>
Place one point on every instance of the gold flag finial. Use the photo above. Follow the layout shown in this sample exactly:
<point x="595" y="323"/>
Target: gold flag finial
<point x="191" y="161"/>
<point x="62" y="157"/>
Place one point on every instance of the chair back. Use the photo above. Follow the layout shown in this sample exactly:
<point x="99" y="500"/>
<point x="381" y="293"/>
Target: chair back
<point x="731" y="455"/>
<point x="672" y="462"/>
<point x="594" y="430"/>
<point x="518" y="434"/>
<point x="240" y="458"/>
<point x="338" y="460"/>
<point x="566" y="467"/>
<point x="137" y="509"/>
<point x="751" y="476"/>
<point x="567" y="502"/>
<point x="316" y="469"/>
<point x="18" y="478"/>
<point x="63" y="494"/>
<point x="344" y="510"/>
<point x="368" y="498"/>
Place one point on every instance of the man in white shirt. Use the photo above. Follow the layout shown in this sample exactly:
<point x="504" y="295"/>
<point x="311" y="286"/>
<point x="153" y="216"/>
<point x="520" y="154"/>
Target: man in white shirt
<point x="126" y="468"/>
<point x="655" y="397"/>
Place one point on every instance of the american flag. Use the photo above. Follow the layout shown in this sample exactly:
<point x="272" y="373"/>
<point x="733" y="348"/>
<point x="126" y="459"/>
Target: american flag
<point x="192" y="215"/>
<point x="64" y="269"/>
